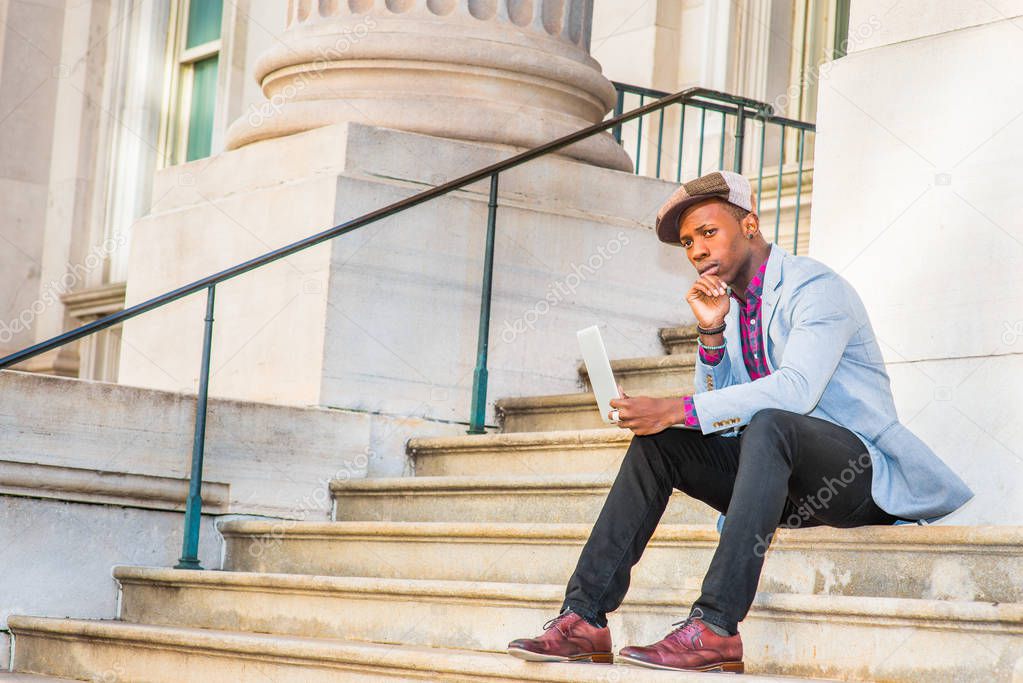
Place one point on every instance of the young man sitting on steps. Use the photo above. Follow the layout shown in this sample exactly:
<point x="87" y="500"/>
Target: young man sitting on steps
<point x="792" y="425"/>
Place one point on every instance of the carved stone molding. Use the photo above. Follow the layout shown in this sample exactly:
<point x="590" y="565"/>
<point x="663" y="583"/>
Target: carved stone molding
<point x="514" y="72"/>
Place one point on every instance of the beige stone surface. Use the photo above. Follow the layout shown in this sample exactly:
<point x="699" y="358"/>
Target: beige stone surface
<point x="640" y="376"/>
<point x="953" y="354"/>
<point x="172" y="654"/>
<point x="112" y="487"/>
<point x="72" y="187"/>
<point x="679" y="339"/>
<point x="930" y="562"/>
<point x="549" y="413"/>
<point x="29" y="80"/>
<point x="421" y="612"/>
<point x="885" y="24"/>
<point x="512" y="498"/>
<point x="57" y="554"/>
<point x="276" y="460"/>
<point x="563" y="452"/>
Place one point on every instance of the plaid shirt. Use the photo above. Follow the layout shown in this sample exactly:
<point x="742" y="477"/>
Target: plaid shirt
<point x="752" y="346"/>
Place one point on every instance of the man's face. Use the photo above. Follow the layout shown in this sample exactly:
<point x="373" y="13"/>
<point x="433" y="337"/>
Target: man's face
<point x="713" y="240"/>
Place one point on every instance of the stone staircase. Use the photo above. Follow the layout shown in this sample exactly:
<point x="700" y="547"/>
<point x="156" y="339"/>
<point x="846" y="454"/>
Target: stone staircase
<point x="429" y="577"/>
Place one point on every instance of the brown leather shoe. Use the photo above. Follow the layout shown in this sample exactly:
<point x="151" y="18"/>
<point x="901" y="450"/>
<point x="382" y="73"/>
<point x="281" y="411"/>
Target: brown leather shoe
<point x="566" y="638"/>
<point x="692" y="646"/>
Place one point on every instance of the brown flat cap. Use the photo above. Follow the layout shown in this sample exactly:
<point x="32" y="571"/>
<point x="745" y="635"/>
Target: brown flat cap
<point x="732" y="187"/>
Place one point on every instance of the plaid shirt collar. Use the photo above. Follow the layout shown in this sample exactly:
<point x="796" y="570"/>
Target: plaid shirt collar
<point x="756" y="286"/>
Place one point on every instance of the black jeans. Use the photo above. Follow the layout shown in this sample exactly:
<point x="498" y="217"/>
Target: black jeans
<point x="782" y="470"/>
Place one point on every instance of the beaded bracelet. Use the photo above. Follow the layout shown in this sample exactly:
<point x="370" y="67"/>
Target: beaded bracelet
<point x="720" y="328"/>
<point x="709" y="348"/>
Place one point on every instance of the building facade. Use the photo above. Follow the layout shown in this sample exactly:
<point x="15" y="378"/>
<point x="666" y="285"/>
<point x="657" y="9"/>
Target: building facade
<point x="147" y="143"/>
<point x="101" y="96"/>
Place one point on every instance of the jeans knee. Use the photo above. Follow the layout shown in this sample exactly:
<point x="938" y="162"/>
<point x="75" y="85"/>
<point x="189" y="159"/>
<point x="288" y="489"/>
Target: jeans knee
<point x="771" y="426"/>
<point x="644" y="448"/>
<point x="770" y="417"/>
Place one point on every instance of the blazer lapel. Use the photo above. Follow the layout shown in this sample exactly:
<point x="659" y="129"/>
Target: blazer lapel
<point x="769" y="298"/>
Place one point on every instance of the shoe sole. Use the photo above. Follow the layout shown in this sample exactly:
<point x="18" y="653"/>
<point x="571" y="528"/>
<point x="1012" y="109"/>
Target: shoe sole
<point x="592" y="657"/>
<point x="723" y="667"/>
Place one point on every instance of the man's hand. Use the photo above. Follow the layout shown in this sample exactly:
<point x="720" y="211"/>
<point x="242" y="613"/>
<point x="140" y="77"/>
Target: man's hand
<point x="645" y="415"/>
<point x="709" y="300"/>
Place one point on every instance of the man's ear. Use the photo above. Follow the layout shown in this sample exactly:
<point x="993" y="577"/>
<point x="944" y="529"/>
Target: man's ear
<point x="752" y="220"/>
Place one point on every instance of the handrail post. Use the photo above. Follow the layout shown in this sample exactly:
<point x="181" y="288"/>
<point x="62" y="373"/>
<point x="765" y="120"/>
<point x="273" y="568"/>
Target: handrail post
<point x="479" y="378"/>
<point x="799" y="192"/>
<point x="740" y="135"/>
<point x="618" y="110"/>
<point x="193" y="506"/>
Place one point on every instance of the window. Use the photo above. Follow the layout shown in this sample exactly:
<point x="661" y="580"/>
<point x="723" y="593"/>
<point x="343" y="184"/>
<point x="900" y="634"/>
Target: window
<point x="194" y="41"/>
<point x="841" y="29"/>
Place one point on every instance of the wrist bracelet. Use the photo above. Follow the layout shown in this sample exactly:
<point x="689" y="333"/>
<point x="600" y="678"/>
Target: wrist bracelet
<point x="714" y="330"/>
<point x="709" y="348"/>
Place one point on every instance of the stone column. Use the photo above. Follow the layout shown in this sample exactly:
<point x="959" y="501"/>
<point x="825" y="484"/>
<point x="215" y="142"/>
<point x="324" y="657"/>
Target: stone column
<point x="514" y="72"/>
<point x="67" y="263"/>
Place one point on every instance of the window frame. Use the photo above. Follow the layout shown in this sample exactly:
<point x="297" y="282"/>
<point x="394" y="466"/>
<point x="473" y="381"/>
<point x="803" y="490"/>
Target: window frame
<point x="180" y="63"/>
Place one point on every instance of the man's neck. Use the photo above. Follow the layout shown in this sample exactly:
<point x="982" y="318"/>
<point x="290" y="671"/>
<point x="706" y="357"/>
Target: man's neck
<point x="742" y="282"/>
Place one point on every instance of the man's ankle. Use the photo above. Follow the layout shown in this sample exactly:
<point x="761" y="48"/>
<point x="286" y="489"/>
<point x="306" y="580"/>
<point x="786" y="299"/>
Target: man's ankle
<point x="591" y="621"/>
<point x="720" y="630"/>
<point x="711" y="622"/>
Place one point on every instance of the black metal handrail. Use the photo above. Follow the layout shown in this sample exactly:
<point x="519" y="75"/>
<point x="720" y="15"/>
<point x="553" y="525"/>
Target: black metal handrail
<point x="742" y="107"/>
<point x="740" y="118"/>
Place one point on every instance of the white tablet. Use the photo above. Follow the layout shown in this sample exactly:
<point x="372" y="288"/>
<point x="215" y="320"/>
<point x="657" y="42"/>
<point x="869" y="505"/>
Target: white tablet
<point x="598" y="368"/>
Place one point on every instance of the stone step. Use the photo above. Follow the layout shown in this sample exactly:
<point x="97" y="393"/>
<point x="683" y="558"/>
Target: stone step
<point x="906" y="561"/>
<point x="6" y="677"/>
<point x="519" y="498"/>
<point x="100" y="650"/>
<point x="557" y="412"/>
<point x="639" y="376"/>
<point x="872" y="638"/>
<point x="573" y="451"/>
<point x="681" y="339"/>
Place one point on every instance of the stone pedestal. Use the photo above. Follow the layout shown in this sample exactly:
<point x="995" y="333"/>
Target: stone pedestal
<point x="918" y="149"/>
<point x="385" y="319"/>
<point x="514" y="72"/>
<point x="368" y="103"/>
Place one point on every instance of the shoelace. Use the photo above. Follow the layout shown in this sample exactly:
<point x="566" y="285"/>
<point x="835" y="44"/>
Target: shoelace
<point x="557" y="620"/>
<point x="688" y="628"/>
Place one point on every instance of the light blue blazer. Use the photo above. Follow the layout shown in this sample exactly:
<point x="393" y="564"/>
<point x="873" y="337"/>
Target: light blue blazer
<point x="825" y="362"/>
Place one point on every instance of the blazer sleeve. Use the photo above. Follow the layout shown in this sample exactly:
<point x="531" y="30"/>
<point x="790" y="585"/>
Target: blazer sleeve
<point x="711" y="377"/>
<point x="823" y="324"/>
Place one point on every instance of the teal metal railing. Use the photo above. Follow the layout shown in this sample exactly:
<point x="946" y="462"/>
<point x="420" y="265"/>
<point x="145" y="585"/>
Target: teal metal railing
<point x="733" y="122"/>
<point x="693" y="97"/>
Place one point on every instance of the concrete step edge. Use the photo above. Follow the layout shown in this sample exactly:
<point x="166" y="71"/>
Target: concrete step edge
<point x="443" y="530"/>
<point x="678" y="333"/>
<point x="645" y="364"/>
<point x="913" y="612"/>
<point x="568" y="438"/>
<point x="1007" y="540"/>
<point x="474" y="483"/>
<point x="407" y="659"/>
<point x="552" y="402"/>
